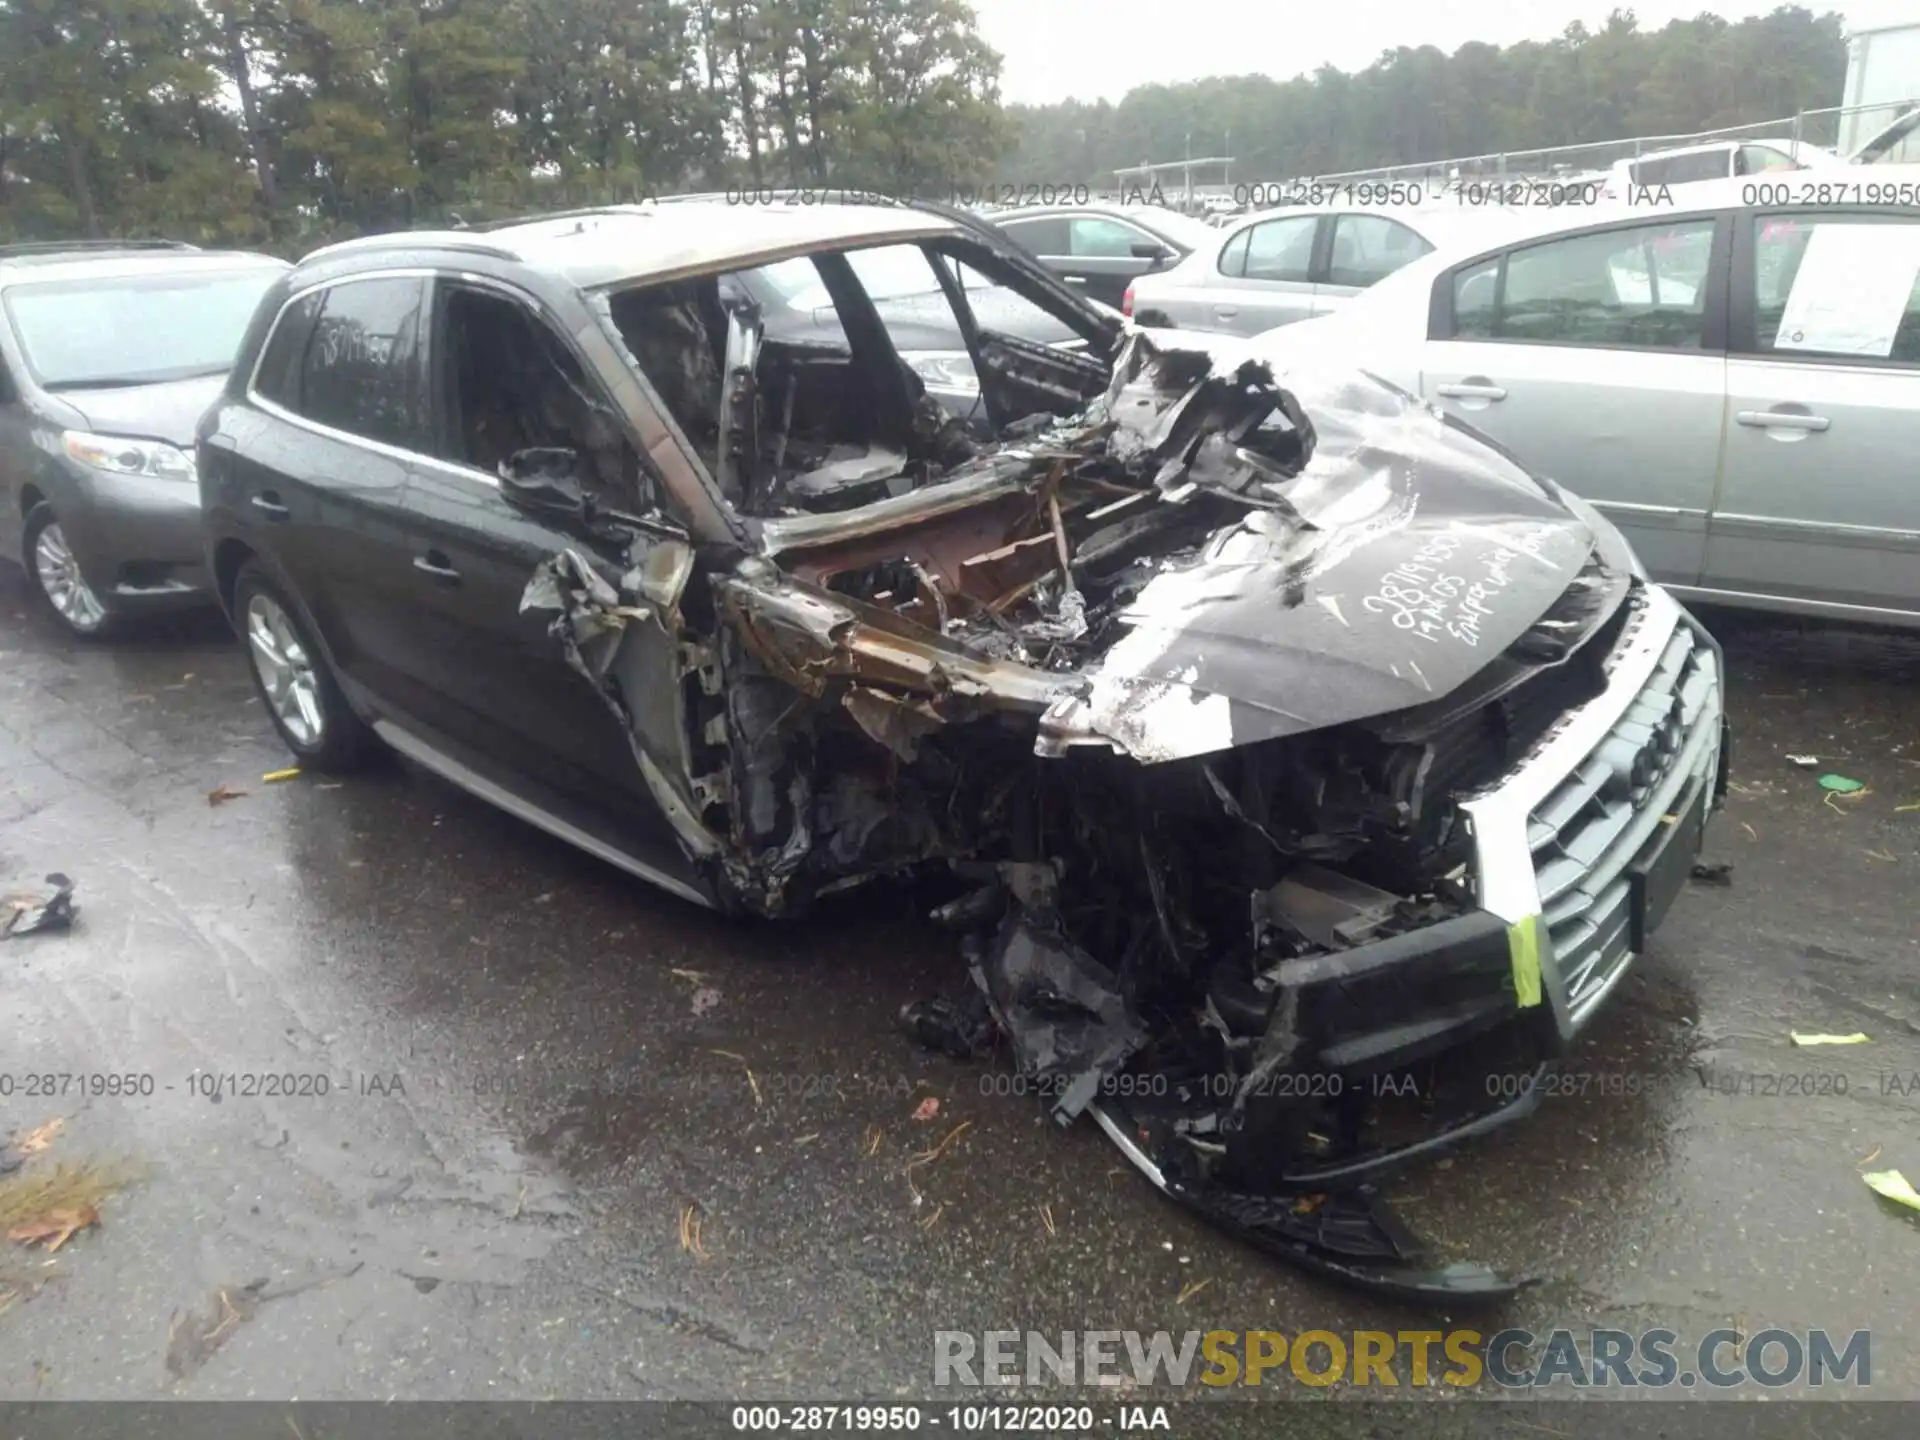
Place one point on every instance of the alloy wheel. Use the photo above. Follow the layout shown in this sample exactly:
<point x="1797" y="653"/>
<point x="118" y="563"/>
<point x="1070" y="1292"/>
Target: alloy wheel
<point x="62" y="582"/>
<point x="286" y="671"/>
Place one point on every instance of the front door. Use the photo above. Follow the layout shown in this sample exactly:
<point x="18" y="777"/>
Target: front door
<point x="506" y="383"/>
<point x="1819" y="494"/>
<point x="1597" y="359"/>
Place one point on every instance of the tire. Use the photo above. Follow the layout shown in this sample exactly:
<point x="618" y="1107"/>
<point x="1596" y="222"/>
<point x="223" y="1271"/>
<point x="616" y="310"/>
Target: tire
<point x="56" y="578"/>
<point x="291" y="676"/>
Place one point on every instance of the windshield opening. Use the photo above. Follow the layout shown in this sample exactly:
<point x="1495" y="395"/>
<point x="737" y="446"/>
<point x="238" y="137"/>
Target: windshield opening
<point x="134" y="329"/>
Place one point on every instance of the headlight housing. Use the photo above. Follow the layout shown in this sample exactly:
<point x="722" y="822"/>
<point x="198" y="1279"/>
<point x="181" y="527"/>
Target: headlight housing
<point x="947" y="369"/>
<point x="122" y="455"/>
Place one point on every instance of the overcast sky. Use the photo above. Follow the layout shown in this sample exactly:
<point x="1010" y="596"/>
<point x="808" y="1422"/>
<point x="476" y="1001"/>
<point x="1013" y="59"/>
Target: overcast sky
<point x="1090" y="49"/>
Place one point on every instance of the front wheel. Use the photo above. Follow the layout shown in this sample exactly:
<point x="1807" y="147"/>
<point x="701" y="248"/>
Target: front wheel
<point x="291" y="675"/>
<point x="56" y="575"/>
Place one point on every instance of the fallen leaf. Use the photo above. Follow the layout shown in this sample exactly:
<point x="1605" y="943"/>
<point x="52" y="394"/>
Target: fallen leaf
<point x="56" y="1227"/>
<point x="927" y="1108"/>
<point x="220" y="794"/>
<point x="34" y="1141"/>
<point x="1893" y="1185"/>
<point x="1046" y="1219"/>
<point x="1188" y="1292"/>
<point x="1842" y="784"/>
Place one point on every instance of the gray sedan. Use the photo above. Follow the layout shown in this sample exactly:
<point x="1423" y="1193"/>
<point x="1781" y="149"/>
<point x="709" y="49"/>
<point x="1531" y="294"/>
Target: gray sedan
<point x="109" y="354"/>
<point x="1735" y="381"/>
<point x="1103" y="248"/>
<point x="1285" y="265"/>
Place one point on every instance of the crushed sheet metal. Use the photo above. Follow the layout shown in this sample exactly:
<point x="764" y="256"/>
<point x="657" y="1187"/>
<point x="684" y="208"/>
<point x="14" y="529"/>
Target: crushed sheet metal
<point x="29" y="916"/>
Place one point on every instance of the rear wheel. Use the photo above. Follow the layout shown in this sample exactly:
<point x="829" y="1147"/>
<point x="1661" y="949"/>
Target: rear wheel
<point x="291" y="675"/>
<point x="56" y="575"/>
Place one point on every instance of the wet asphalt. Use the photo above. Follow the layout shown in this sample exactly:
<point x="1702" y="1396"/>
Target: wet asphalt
<point x="579" y="1139"/>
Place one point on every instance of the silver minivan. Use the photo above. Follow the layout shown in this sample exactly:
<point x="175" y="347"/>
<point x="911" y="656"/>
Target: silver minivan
<point x="1735" y="382"/>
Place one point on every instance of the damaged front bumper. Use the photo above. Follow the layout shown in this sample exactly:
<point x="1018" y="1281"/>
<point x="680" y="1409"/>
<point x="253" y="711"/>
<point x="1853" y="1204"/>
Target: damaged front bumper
<point x="1577" y="853"/>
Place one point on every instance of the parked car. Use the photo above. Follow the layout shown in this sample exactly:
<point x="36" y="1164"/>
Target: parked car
<point x="1298" y="709"/>
<point x="1688" y="165"/>
<point x="1101" y="249"/>
<point x="108" y="354"/>
<point x="1734" y="384"/>
<point x="1284" y="265"/>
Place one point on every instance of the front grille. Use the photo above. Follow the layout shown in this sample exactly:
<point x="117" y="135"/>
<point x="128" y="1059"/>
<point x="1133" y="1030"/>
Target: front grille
<point x="1586" y="832"/>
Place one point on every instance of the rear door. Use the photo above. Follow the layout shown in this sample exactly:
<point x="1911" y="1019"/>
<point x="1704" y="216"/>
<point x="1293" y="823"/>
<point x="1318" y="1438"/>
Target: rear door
<point x="1599" y="359"/>
<point x="339" y="421"/>
<point x="1362" y="251"/>
<point x="1820" y="493"/>
<point x="1266" y="276"/>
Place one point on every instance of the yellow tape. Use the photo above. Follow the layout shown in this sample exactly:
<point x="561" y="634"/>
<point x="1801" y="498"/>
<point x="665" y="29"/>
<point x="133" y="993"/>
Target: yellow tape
<point x="1523" y="944"/>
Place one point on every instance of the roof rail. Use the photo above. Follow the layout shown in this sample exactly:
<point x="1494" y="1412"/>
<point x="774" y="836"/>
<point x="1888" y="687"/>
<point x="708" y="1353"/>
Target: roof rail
<point x="59" y="247"/>
<point x="584" y="212"/>
<point x="401" y="239"/>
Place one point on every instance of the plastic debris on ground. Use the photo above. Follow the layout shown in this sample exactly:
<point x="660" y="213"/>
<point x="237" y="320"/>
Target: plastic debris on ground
<point x="220" y="794"/>
<point x="1854" y="1039"/>
<point x="274" y="777"/>
<point x="1841" y="784"/>
<point x="30" y="915"/>
<point x="1805" y="762"/>
<point x="1893" y="1186"/>
<point x="1717" y="874"/>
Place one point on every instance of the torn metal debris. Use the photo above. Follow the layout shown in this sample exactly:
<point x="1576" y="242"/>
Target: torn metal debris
<point x="1187" y="689"/>
<point x="31" y="915"/>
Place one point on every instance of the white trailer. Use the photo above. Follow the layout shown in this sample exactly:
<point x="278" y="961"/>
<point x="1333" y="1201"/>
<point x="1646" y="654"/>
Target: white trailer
<point x="1883" y="68"/>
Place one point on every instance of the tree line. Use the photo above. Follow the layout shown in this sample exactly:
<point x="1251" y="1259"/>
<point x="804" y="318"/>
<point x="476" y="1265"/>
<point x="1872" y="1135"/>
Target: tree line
<point x="288" y="122"/>
<point x="1422" y="104"/>
<point x="285" y="123"/>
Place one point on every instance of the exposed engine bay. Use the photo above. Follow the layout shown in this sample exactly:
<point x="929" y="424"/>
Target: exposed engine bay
<point x="1182" y="680"/>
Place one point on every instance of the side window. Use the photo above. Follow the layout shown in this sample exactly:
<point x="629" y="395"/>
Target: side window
<point x="1096" y="236"/>
<point x="278" y="376"/>
<point x="1645" y="286"/>
<point x="1281" y="249"/>
<point x="361" y="372"/>
<point x="1042" y="237"/>
<point x="1685" y="169"/>
<point x="1368" y="248"/>
<point x="1841" y="286"/>
<point x="509" y="383"/>
<point x="1233" y="255"/>
<point x="1758" y="159"/>
<point x="1474" y="291"/>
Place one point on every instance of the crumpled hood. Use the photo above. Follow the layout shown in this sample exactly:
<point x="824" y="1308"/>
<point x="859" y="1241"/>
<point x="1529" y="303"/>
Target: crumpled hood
<point x="168" y="411"/>
<point x="1407" y="555"/>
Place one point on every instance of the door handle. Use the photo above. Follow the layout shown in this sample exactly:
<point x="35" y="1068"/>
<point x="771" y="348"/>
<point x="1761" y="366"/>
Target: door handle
<point x="1782" y="420"/>
<point x="1472" y="390"/>
<point x="268" y="504"/>
<point x="1225" y="312"/>
<point x="434" y="565"/>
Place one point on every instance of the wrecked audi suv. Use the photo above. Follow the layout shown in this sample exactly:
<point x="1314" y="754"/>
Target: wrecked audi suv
<point x="1289" y="750"/>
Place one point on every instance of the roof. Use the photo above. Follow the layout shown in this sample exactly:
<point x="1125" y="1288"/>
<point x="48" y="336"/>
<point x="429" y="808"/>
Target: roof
<point x="629" y="243"/>
<point x="116" y="264"/>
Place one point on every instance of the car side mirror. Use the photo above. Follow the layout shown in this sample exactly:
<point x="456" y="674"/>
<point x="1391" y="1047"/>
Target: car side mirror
<point x="1148" y="250"/>
<point x="544" y="481"/>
